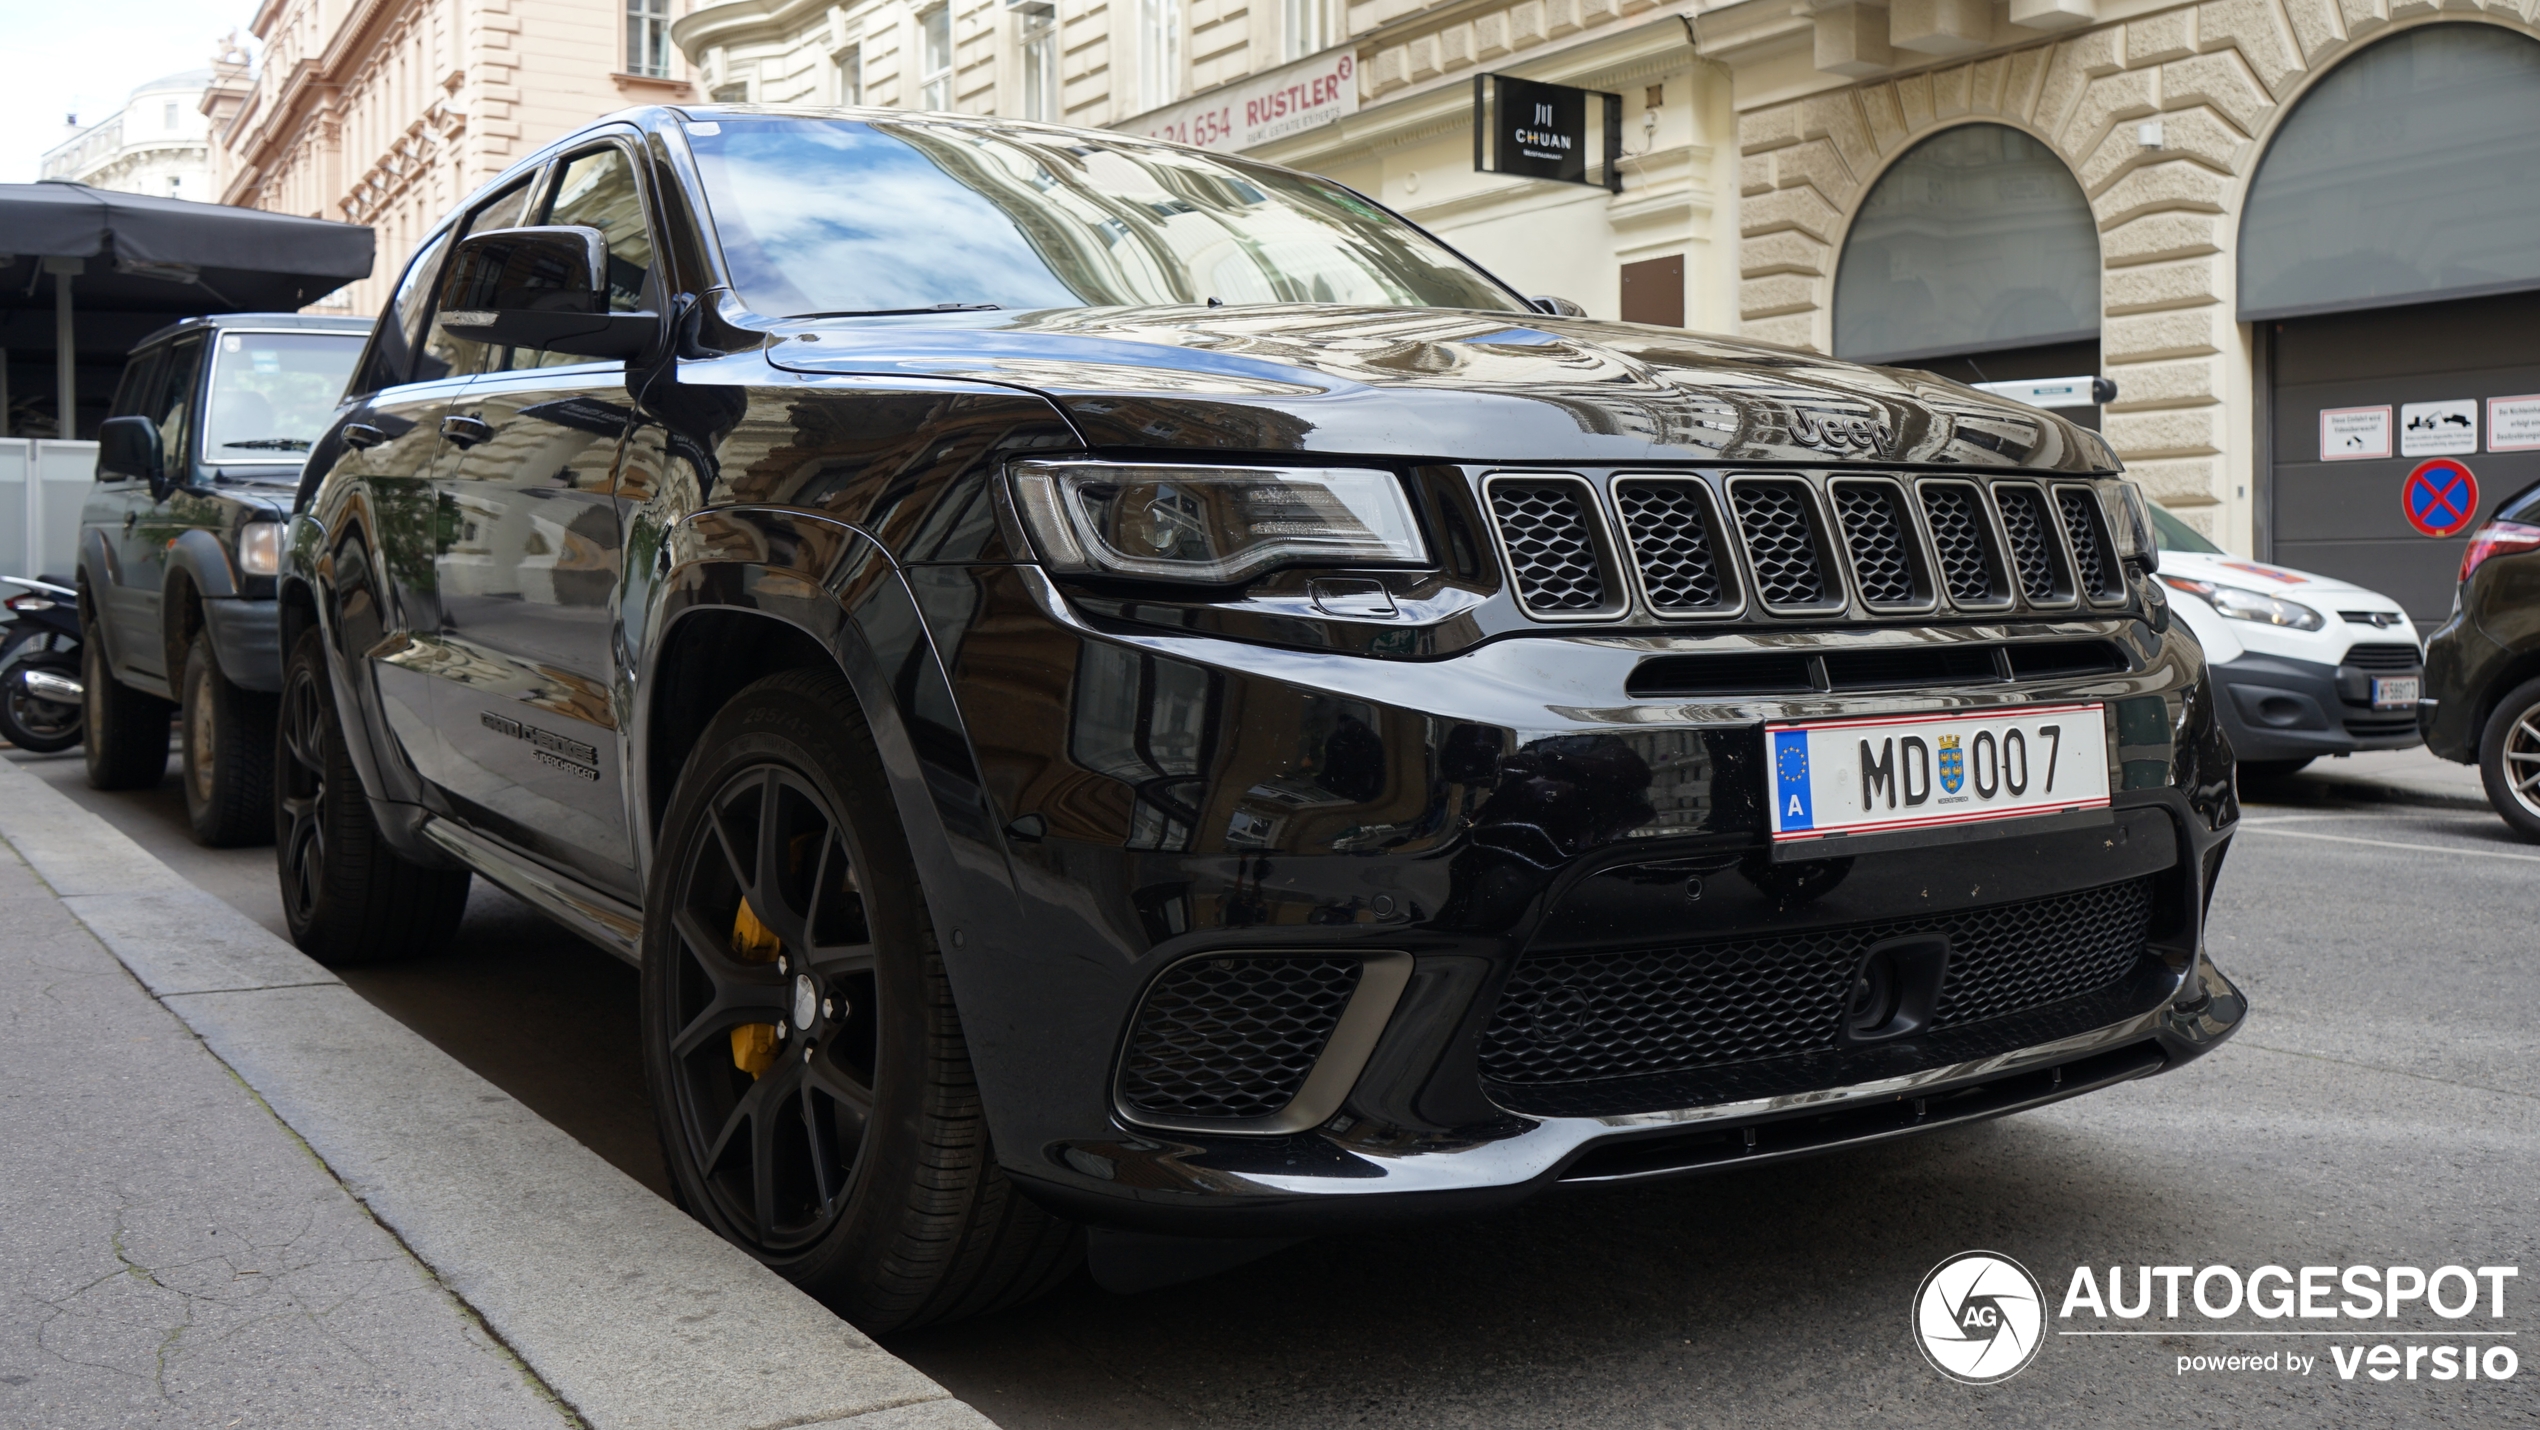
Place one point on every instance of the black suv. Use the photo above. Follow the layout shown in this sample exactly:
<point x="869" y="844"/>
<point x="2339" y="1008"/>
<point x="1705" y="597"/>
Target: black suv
<point x="2482" y="668"/>
<point x="1106" y="686"/>
<point x="178" y="547"/>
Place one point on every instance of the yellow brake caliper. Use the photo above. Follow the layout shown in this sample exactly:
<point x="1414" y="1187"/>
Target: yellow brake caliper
<point x="754" y="1045"/>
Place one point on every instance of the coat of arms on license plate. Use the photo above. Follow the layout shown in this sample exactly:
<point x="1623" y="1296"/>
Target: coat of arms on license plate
<point x="1953" y="764"/>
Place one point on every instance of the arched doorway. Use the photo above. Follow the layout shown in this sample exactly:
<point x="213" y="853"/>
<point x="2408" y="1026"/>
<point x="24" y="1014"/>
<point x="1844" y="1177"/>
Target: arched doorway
<point x="1973" y="256"/>
<point x="2390" y="265"/>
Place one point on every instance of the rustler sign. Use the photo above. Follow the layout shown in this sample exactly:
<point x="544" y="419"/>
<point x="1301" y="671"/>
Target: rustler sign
<point x="1547" y="131"/>
<point x="1306" y="95"/>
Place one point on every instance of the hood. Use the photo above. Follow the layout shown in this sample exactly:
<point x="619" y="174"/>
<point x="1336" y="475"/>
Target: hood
<point x="2261" y="576"/>
<point x="1448" y="384"/>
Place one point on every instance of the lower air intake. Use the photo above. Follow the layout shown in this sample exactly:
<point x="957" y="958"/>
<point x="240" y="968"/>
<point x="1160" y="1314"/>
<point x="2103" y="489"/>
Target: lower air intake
<point x="1581" y="1017"/>
<point x="1233" y="1036"/>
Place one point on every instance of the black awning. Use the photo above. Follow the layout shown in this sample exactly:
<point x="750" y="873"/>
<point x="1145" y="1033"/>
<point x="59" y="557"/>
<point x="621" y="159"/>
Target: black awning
<point x="171" y="256"/>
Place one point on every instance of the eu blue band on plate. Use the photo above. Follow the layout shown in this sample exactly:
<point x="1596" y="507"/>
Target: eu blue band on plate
<point x="1790" y="778"/>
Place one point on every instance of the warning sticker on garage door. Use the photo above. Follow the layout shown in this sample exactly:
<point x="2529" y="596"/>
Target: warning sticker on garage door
<point x="2438" y="429"/>
<point x="2513" y="423"/>
<point x="2354" y="434"/>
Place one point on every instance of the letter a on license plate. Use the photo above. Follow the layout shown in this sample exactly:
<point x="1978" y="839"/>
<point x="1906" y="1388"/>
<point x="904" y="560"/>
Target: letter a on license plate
<point x="1900" y="772"/>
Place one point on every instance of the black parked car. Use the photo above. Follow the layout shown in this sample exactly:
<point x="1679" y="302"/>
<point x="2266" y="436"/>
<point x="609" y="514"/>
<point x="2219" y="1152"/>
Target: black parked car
<point x="2482" y="667"/>
<point x="1109" y="686"/>
<point x="178" y="546"/>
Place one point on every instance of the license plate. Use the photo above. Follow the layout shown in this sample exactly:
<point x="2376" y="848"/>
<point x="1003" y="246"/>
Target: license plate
<point x="2396" y="692"/>
<point x="1844" y="777"/>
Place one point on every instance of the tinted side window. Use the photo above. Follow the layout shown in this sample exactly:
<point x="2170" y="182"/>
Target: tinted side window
<point x="172" y="400"/>
<point x="135" y="391"/>
<point x="598" y="190"/>
<point x="390" y="359"/>
<point x="448" y="356"/>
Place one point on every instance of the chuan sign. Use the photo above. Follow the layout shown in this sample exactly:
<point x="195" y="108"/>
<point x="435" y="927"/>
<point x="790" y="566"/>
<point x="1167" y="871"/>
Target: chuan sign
<point x="1547" y="131"/>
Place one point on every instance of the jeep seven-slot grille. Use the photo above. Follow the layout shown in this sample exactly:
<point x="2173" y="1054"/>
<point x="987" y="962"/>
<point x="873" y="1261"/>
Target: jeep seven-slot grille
<point x="1233" y="1036"/>
<point x="1958" y="530"/>
<point x="1583" y="1017"/>
<point x="2082" y="524"/>
<point x="1775" y="518"/>
<point x="1668" y="524"/>
<point x="1877" y="531"/>
<point x="2032" y="534"/>
<point x="1700" y="549"/>
<point x="1552" y="555"/>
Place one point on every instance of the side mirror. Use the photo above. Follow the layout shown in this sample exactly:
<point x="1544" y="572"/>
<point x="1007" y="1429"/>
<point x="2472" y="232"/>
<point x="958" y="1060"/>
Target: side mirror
<point x="1557" y="307"/>
<point x="543" y="288"/>
<point x="129" y="447"/>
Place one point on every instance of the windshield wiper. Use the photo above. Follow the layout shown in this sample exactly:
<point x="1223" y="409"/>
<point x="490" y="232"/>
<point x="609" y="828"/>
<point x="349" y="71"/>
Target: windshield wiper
<point x="271" y="444"/>
<point x="897" y="312"/>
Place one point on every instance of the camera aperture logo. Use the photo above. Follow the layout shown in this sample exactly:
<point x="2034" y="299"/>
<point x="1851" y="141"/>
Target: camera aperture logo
<point x="1979" y="1317"/>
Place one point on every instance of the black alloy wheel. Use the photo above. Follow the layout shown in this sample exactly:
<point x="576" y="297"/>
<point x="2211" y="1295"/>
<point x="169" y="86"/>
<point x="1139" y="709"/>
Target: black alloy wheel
<point x="227" y="742"/>
<point x="2509" y="759"/>
<point x="815" y="1101"/>
<point x="347" y="897"/>
<point x="774" y="1056"/>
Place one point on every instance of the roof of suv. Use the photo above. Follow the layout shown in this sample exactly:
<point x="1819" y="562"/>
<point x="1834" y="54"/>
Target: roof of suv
<point x="315" y="322"/>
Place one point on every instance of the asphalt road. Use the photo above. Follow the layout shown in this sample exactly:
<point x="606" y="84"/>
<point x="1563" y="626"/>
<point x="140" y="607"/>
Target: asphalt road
<point x="2381" y="1107"/>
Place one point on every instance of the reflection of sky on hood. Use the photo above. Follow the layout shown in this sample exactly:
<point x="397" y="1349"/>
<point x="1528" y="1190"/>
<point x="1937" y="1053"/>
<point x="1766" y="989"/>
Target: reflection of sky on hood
<point x="827" y="217"/>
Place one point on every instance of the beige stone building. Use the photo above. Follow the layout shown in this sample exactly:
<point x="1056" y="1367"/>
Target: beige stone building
<point x="157" y="143"/>
<point x="387" y="114"/>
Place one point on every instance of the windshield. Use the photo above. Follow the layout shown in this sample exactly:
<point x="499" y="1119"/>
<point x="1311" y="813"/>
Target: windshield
<point x="837" y="216"/>
<point x="272" y="393"/>
<point x="2171" y="534"/>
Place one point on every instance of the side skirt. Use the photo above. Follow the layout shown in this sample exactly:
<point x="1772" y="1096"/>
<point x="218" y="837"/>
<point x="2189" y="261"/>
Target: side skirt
<point x="611" y="923"/>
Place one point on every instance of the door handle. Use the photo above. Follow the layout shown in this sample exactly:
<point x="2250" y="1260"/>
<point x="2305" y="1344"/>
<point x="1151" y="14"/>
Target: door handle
<point x="363" y="435"/>
<point x="467" y="431"/>
<point x="129" y="518"/>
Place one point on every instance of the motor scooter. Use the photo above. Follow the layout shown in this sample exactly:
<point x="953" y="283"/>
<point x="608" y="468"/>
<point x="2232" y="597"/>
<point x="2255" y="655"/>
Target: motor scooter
<point x="42" y="704"/>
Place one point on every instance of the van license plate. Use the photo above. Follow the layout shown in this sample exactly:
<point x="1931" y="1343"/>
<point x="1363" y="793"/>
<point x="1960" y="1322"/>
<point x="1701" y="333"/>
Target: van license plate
<point x="1842" y="777"/>
<point x="2396" y="692"/>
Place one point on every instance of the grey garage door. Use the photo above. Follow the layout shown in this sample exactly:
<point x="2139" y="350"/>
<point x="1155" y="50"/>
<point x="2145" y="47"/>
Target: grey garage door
<point x="2345" y="518"/>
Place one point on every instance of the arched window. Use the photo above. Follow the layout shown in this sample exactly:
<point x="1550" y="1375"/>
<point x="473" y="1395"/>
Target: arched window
<point x="1977" y="239"/>
<point x="2410" y="172"/>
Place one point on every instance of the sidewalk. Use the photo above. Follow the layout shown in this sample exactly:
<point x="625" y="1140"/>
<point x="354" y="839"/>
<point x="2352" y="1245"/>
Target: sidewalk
<point x="235" y="1194"/>
<point x="2377" y="776"/>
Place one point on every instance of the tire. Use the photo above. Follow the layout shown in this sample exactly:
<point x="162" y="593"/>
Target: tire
<point x="855" y="1160"/>
<point x="2261" y="771"/>
<point x="2509" y="759"/>
<point x="227" y="746"/>
<point x="39" y="727"/>
<point x="347" y="897"/>
<point x="127" y="730"/>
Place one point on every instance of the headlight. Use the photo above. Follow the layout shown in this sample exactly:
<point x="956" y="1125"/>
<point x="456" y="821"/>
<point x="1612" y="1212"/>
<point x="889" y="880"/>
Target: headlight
<point x="260" y="548"/>
<point x="2245" y="605"/>
<point x="1213" y="524"/>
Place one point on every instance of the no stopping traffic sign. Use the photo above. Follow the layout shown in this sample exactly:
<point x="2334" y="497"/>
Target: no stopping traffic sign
<point x="2439" y="497"/>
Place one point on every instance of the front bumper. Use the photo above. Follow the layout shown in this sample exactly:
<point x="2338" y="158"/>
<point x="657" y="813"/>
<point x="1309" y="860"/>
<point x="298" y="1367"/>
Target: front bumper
<point x="2281" y="709"/>
<point x="1177" y="799"/>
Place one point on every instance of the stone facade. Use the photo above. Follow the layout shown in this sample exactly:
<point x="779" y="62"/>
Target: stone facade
<point x="2162" y="114"/>
<point x="388" y="114"/>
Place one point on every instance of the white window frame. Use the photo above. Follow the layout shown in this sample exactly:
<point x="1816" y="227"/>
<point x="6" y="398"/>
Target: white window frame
<point x="648" y="38"/>
<point x="1305" y="27"/>
<point x="846" y="76"/>
<point x="1036" y="30"/>
<point x="935" y="58"/>
<point x="1159" y="53"/>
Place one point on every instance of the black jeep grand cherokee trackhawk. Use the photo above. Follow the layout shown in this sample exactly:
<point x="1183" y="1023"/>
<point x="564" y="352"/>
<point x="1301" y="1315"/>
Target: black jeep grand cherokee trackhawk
<point x="1106" y="686"/>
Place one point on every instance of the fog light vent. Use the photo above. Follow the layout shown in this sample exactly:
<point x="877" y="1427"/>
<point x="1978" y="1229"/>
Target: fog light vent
<point x="1233" y="1036"/>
